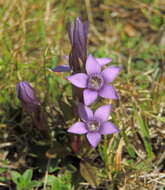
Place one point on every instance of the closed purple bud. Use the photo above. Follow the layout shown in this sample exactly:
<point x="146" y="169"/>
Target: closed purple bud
<point x="31" y="105"/>
<point x="26" y="94"/>
<point x="78" y="38"/>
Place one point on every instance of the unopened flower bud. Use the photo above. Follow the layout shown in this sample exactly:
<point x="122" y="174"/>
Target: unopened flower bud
<point x="78" y="37"/>
<point x="26" y="94"/>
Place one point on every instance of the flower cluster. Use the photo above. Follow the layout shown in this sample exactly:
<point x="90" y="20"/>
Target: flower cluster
<point x="88" y="75"/>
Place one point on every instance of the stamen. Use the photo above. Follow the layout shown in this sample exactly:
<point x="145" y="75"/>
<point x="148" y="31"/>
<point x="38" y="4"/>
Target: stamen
<point x="93" y="126"/>
<point x="95" y="82"/>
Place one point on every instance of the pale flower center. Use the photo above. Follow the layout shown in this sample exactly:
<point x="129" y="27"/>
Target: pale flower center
<point x="93" y="125"/>
<point x="95" y="82"/>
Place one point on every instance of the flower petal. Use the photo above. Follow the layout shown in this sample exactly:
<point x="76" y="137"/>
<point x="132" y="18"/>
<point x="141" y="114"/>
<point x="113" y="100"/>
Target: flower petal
<point x="103" y="61"/>
<point x="85" y="112"/>
<point x="102" y="113"/>
<point x="108" y="128"/>
<point x="89" y="96"/>
<point x="61" y="68"/>
<point x="108" y="91"/>
<point x="79" y="80"/>
<point x="92" y="66"/>
<point x="78" y="128"/>
<point x="110" y="73"/>
<point x="94" y="138"/>
<point x="80" y="31"/>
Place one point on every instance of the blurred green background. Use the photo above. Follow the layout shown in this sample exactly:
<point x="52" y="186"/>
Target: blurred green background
<point x="33" y="39"/>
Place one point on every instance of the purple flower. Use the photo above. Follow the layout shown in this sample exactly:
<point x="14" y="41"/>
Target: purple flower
<point x="96" y="82"/>
<point x="27" y="95"/>
<point x="77" y="58"/>
<point x="30" y="103"/>
<point x="78" y="37"/>
<point x="94" y="125"/>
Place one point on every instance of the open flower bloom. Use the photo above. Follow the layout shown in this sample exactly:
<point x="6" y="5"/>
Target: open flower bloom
<point x="94" y="125"/>
<point x="96" y="82"/>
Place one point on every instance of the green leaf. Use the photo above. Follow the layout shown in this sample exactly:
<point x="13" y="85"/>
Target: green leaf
<point x="144" y="131"/>
<point x="130" y="147"/>
<point x="2" y="170"/>
<point x="51" y="179"/>
<point x="131" y="151"/>
<point x="15" y="176"/>
<point x="54" y="182"/>
<point x="27" y="176"/>
<point x="34" y="183"/>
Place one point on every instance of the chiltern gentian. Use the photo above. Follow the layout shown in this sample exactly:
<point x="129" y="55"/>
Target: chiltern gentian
<point x="94" y="125"/>
<point x="95" y="82"/>
<point x="78" y="37"/>
<point x="27" y="95"/>
<point x="30" y="103"/>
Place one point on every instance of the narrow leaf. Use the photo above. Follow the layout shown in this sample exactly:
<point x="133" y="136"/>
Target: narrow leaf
<point x="144" y="131"/>
<point x="27" y="175"/>
<point x="89" y="173"/>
